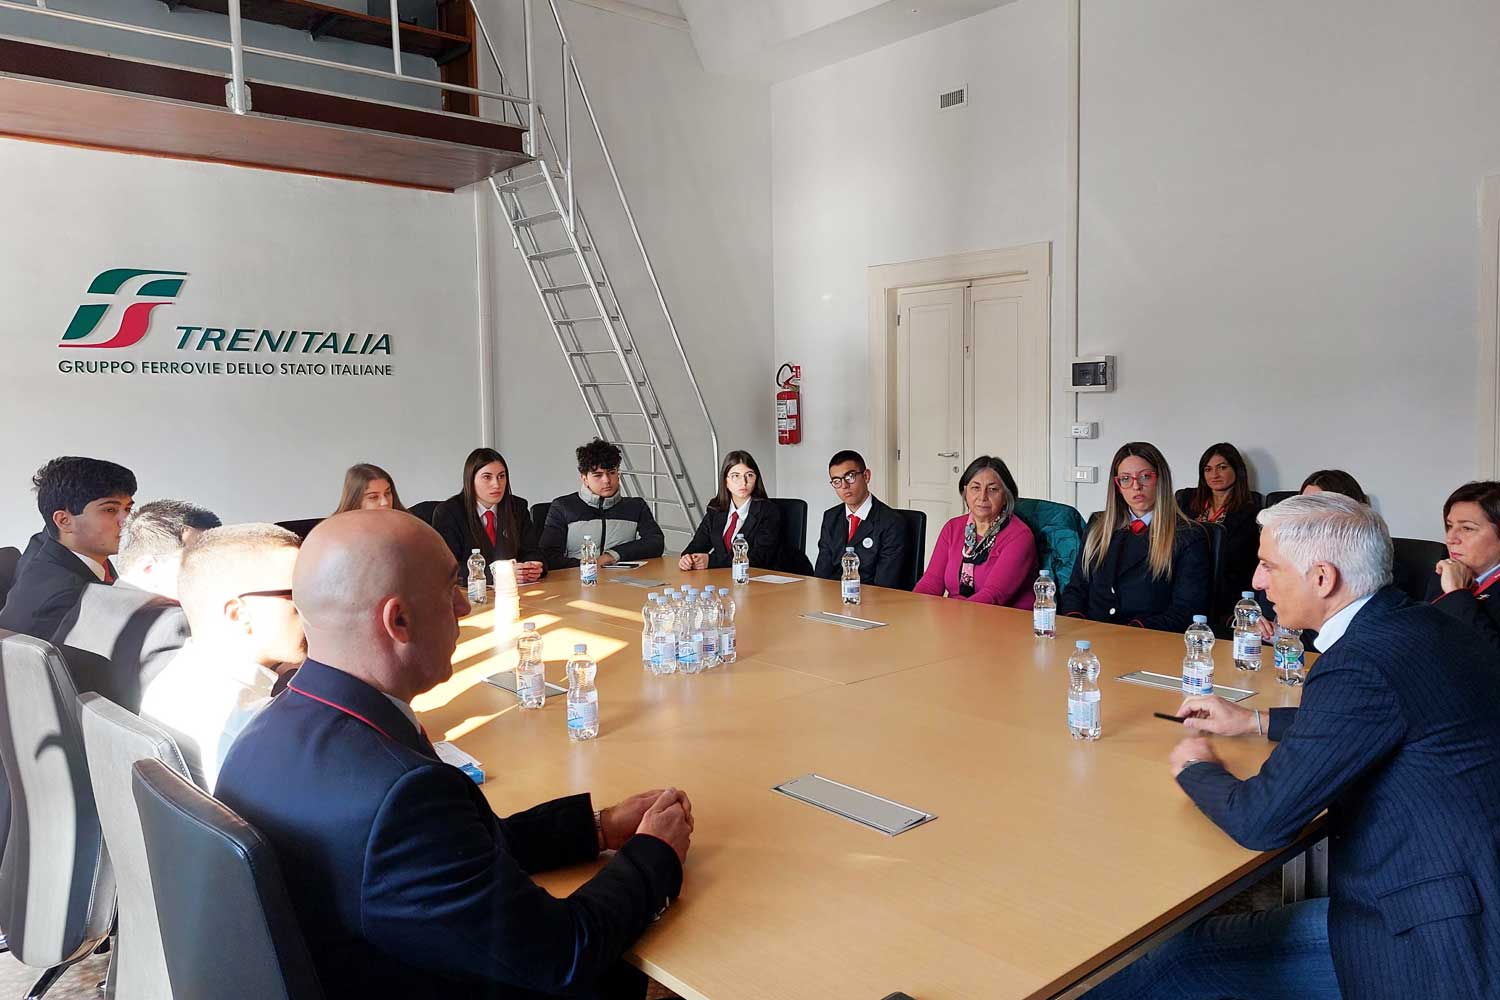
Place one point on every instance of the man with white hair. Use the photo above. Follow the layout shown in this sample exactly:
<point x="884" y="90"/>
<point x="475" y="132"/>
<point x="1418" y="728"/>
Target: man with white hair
<point x="1398" y="738"/>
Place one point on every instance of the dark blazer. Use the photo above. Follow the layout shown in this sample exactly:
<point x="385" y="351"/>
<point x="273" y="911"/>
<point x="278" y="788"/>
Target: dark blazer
<point x="1398" y="738"/>
<point x="45" y="590"/>
<point x="404" y="881"/>
<point x="880" y="541"/>
<point x="1122" y="590"/>
<point x="116" y="639"/>
<point x="761" y="528"/>
<point x="1480" y="611"/>
<point x="463" y="534"/>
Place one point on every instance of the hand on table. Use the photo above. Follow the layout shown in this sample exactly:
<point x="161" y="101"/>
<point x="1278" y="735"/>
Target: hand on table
<point x="528" y="572"/>
<point x="608" y="559"/>
<point x="693" y="560"/>
<point x="670" y="819"/>
<point x="1213" y="714"/>
<point x="1454" y="575"/>
<point x="1192" y="748"/>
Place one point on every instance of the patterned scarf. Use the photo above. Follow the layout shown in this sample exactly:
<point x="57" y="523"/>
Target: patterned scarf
<point x="976" y="551"/>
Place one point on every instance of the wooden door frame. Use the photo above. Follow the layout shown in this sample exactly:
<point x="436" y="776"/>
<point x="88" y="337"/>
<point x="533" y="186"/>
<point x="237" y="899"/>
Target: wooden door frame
<point x="1489" y="327"/>
<point x="1034" y="260"/>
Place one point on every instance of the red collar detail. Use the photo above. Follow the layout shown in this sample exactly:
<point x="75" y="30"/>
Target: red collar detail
<point x="349" y="712"/>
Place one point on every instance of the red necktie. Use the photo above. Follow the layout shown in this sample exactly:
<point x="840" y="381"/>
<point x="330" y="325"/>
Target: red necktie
<point x="489" y="525"/>
<point x="734" y="522"/>
<point x="1138" y="526"/>
<point x="853" y="526"/>
<point x="109" y="576"/>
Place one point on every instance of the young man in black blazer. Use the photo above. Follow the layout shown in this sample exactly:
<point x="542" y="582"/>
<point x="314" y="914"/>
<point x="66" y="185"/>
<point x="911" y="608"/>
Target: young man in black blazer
<point x="875" y="530"/>
<point x="84" y="502"/>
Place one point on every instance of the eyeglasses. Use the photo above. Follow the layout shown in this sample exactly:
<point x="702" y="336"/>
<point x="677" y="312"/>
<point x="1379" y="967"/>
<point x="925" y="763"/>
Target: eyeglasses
<point x="268" y="593"/>
<point x="1145" y="479"/>
<point x="741" y="477"/>
<point x="848" y="479"/>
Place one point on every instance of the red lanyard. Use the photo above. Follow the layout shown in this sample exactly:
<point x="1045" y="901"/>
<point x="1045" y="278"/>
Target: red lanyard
<point x="348" y="712"/>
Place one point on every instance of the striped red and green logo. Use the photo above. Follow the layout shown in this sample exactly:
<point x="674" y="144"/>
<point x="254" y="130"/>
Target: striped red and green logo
<point x="138" y="292"/>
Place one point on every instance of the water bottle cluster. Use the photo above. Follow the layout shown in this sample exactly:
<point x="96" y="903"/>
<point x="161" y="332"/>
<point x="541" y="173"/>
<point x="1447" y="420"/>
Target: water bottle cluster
<point x="688" y="631"/>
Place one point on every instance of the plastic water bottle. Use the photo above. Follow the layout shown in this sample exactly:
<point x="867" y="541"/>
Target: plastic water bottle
<point x="850" y="575"/>
<point x="1083" y="692"/>
<point x="708" y="621"/>
<point x="1198" y="664"/>
<point x="1290" y="669"/>
<point x="588" y="562"/>
<point x="1044" y="612"/>
<point x="727" y="652"/>
<point x="741" y="562"/>
<point x="646" y="611"/>
<point x="531" y="679"/>
<point x="583" y="697"/>
<point x="689" y="639"/>
<point x="1247" y="632"/>
<point x="478" y="592"/>
<point x="663" y="638"/>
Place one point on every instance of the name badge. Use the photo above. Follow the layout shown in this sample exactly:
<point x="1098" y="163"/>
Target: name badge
<point x="869" y="543"/>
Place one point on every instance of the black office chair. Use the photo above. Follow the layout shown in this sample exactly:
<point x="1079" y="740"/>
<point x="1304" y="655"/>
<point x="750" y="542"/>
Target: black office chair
<point x="539" y="516"/>
<point x="1274" y="498"/>
<point x="301" y="528"/>
<point x="424" y="510"/>
<point x="10" y="557"/>
<point x="1412" y="565"/>
<point x="227" y="924"/>
<point x="1217" y="621"/>
<point x="793" y="535"/>
<point x="915" y="522"/>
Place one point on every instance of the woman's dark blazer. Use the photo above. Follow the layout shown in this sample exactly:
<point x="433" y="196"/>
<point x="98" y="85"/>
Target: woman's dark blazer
<point x="450" y="520"/>
<point x="1122" y="590"/>
<point x="762" y="529"/>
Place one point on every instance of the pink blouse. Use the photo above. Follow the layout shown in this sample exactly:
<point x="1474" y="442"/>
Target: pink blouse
<point x="1005" y="578"/>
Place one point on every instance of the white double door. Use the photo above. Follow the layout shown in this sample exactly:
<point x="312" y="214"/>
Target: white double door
<point x="971" y="379"/>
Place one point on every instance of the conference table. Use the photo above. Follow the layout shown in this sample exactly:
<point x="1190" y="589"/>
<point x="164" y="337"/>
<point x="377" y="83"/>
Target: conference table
<point x="1050" y="861"/>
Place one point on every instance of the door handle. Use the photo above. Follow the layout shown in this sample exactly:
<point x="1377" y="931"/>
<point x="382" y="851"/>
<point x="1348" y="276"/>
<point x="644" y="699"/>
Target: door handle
<point x="947" y="454"/>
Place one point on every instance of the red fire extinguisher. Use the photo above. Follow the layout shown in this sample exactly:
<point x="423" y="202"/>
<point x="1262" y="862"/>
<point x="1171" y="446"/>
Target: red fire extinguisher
<point x="789" y="405"/>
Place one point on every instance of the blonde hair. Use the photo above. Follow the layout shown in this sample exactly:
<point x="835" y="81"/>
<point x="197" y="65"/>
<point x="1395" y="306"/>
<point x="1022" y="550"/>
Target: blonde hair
<point x="1165" y="514"/>
<point x="357" y="479"/>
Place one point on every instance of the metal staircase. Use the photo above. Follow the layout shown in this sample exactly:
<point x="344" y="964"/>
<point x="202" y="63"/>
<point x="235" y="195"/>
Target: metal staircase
<point x="550" y="231"/>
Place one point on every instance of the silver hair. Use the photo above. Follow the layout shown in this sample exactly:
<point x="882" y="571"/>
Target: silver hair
<point x="1334" y="529"/>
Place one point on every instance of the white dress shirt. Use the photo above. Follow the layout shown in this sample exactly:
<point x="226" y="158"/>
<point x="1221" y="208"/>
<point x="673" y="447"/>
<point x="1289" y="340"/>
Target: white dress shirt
<point x="405" y="709"/>
<point x="862" y="512"/>
<point x="1334" y="628"/>
<point x="205" y="697"/>
<point x="96" y="567"/>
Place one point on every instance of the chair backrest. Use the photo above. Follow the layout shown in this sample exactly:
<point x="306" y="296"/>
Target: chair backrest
<point x="793" y="535"/>
<point x="1413" y="562"/>
<point x="1276" y="496"/>
<point x="915" y="522"/>
<point x="57" y="888"/>
<point x="539" y="513"/>
<point x="227" y="924"/>
<point x="424" y="510"/>
<point x="115" y="739"/>
<point x="10" y="558"/>
<point x="301" y="528"/>
<point x="1185" y="499"/>
<point x="1058" y="530"/>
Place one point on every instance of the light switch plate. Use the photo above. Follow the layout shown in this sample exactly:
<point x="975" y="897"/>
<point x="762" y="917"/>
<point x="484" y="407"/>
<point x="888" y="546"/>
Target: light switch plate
<point x="1087" y="431"/>
<point x="1083" y="474"/>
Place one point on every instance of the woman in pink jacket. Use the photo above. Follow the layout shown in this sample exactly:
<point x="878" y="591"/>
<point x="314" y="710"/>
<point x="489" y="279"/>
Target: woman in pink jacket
<point x="988" y="555"/>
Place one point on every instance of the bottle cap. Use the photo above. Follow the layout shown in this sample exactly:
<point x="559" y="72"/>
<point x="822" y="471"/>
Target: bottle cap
<point x="1083" y="644"/>
<point x="1247" y="595"/>
<point x="473" y="552"/>
<point x="652" y="596"/>
<point x="847" y="548"/>
<point x="710" y="589"/>
<point x="1045" y="572"/>
<point x="1200" y="619"/>
<point x="529" y="627"/>
<point x="581" y="647"/>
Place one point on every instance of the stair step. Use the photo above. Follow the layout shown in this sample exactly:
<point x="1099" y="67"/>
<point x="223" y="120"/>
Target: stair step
<point x="528" y="221"/>
<point x="575" y="320"/>
<point x="530" y="180"/>
<point x="574" y="286"/>
<point x="551" y="254"/>
<point x="586" y="354"/>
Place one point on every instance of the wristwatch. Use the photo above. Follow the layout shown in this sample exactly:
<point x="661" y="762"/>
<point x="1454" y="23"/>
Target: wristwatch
<point x="599" y="827"/>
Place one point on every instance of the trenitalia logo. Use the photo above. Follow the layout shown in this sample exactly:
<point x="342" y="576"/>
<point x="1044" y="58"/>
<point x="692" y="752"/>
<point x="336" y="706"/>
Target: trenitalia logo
<point x="150" y="289"/>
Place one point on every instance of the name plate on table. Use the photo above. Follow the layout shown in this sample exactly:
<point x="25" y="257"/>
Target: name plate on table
<point x="505" y="680"/>
<point x="890" y="818"/>
<point x="1168" y="682"/>
<point x="636" y="581"/>
<point x="846" y="621"/>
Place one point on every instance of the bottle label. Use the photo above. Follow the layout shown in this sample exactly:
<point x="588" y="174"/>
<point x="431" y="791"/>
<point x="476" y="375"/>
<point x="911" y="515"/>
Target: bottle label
<point x="583" y="711"/>
<point x="1288" y="660"/>
<point x="1197" y="678"/>
<point x="1044" y="620"/>
<point x="662" y="650"/>
<point x="1083" y="709"/>
<point x="726" y="641"/>
<point x="851" y="591"/>
<point x="687" y="651"/>
<point x="1246" y="645"/>
<point x="741" y="572"/>
<point x="589" y="571"/>
<point x="529" y="684"/>
<point x="710" y="643"/>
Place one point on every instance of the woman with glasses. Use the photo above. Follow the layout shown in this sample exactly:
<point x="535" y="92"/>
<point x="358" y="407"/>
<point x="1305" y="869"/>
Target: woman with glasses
<point x="741" y="508"/>
<point x="1143" y="563"/>
<point x="1223" y="497"/>
<point x="987" y="556"/>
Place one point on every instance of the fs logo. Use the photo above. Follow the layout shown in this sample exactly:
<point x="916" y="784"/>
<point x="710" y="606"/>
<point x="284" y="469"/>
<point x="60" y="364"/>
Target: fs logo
<point x="158" y="289"/>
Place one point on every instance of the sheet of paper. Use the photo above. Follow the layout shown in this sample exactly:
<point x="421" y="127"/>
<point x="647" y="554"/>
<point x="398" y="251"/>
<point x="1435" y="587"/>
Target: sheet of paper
<point x="774" y="578"/>
<point x="450" y="754"/>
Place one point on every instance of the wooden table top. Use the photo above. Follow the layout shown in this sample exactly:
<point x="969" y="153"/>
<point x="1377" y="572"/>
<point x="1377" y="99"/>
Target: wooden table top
<point x="1048" y="857"/>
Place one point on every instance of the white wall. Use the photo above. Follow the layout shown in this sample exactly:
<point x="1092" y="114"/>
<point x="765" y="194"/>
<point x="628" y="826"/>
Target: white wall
<point x="692" y="153"/>
<point x="1278" y="223"/>
<point x="262" y="249"/>
<point x="866" y="171"/>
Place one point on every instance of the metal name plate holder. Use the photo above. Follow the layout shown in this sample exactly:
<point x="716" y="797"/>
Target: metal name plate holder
<point x="890" y="818"/>
<point x="636" y="581"/>
<point x="1174" y="684"/>
<point x="505" y="680"/>
<point x="844" y="621"/>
